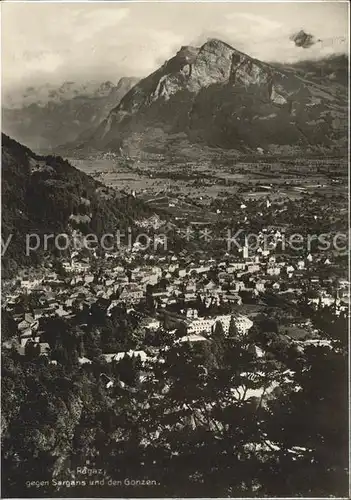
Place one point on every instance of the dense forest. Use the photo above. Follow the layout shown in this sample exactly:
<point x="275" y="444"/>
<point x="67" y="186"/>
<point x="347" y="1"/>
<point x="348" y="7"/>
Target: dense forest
<point x="181" y="420"/>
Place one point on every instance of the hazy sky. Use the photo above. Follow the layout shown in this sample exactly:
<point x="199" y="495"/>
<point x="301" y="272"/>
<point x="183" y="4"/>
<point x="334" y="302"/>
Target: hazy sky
<point x="52" y="42"/>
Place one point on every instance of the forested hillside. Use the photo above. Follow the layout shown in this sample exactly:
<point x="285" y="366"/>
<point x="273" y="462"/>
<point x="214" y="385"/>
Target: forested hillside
<point x="41" y="193"/>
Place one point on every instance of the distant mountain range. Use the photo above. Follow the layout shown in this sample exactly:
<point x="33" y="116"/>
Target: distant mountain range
<point x="47" y="195"/>
<point x="46" y="116"/>
<point x="212" y="95"/>
<point x="218" y="96"/>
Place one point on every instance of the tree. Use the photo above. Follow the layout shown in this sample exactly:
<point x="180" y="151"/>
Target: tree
<point x="57" y="266"/>
<point x="8" y="325"/>
<point x="315" y="420"/>
<point x="233" y="331"/>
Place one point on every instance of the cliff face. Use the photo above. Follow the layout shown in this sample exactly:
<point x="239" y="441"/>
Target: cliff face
<point x="225" y="98"/>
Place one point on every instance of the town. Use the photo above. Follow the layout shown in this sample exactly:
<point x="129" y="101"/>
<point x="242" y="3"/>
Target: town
<point x="180" y="294"/>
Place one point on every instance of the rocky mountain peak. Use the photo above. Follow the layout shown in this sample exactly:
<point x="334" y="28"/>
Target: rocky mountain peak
<point x="222" y="96"/>
<point x="214" y="44"/>
<point x="187" y="54"/>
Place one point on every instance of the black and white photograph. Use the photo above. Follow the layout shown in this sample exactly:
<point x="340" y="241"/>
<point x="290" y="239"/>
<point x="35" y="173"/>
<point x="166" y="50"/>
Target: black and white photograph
<point x="175" y="243"/>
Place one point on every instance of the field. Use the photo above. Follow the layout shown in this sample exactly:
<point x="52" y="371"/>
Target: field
<point x="189" y="189"/>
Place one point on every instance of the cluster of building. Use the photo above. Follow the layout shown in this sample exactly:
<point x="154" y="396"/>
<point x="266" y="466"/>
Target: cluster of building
<point x="172" y="281"/>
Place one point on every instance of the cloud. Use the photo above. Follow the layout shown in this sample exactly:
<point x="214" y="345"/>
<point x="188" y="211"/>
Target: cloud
<point x="93" y="22"/>
<point x="256" y="24"/>
<point x="49" y="42"/>
<point x="303" y="39"/>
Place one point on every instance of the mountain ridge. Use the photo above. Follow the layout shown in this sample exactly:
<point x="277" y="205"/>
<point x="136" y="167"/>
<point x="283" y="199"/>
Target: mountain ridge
<point x="58" y="115"/>
<point x="205" y="92"/>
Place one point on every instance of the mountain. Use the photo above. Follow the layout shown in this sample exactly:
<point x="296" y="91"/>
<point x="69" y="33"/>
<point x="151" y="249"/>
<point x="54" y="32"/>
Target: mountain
<point x="46" y="116"/>
<point x="46" y="195"/>
<point x="43" y="94"/>
<point x="221" y="97"/>
<point x="329" y="69"/>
